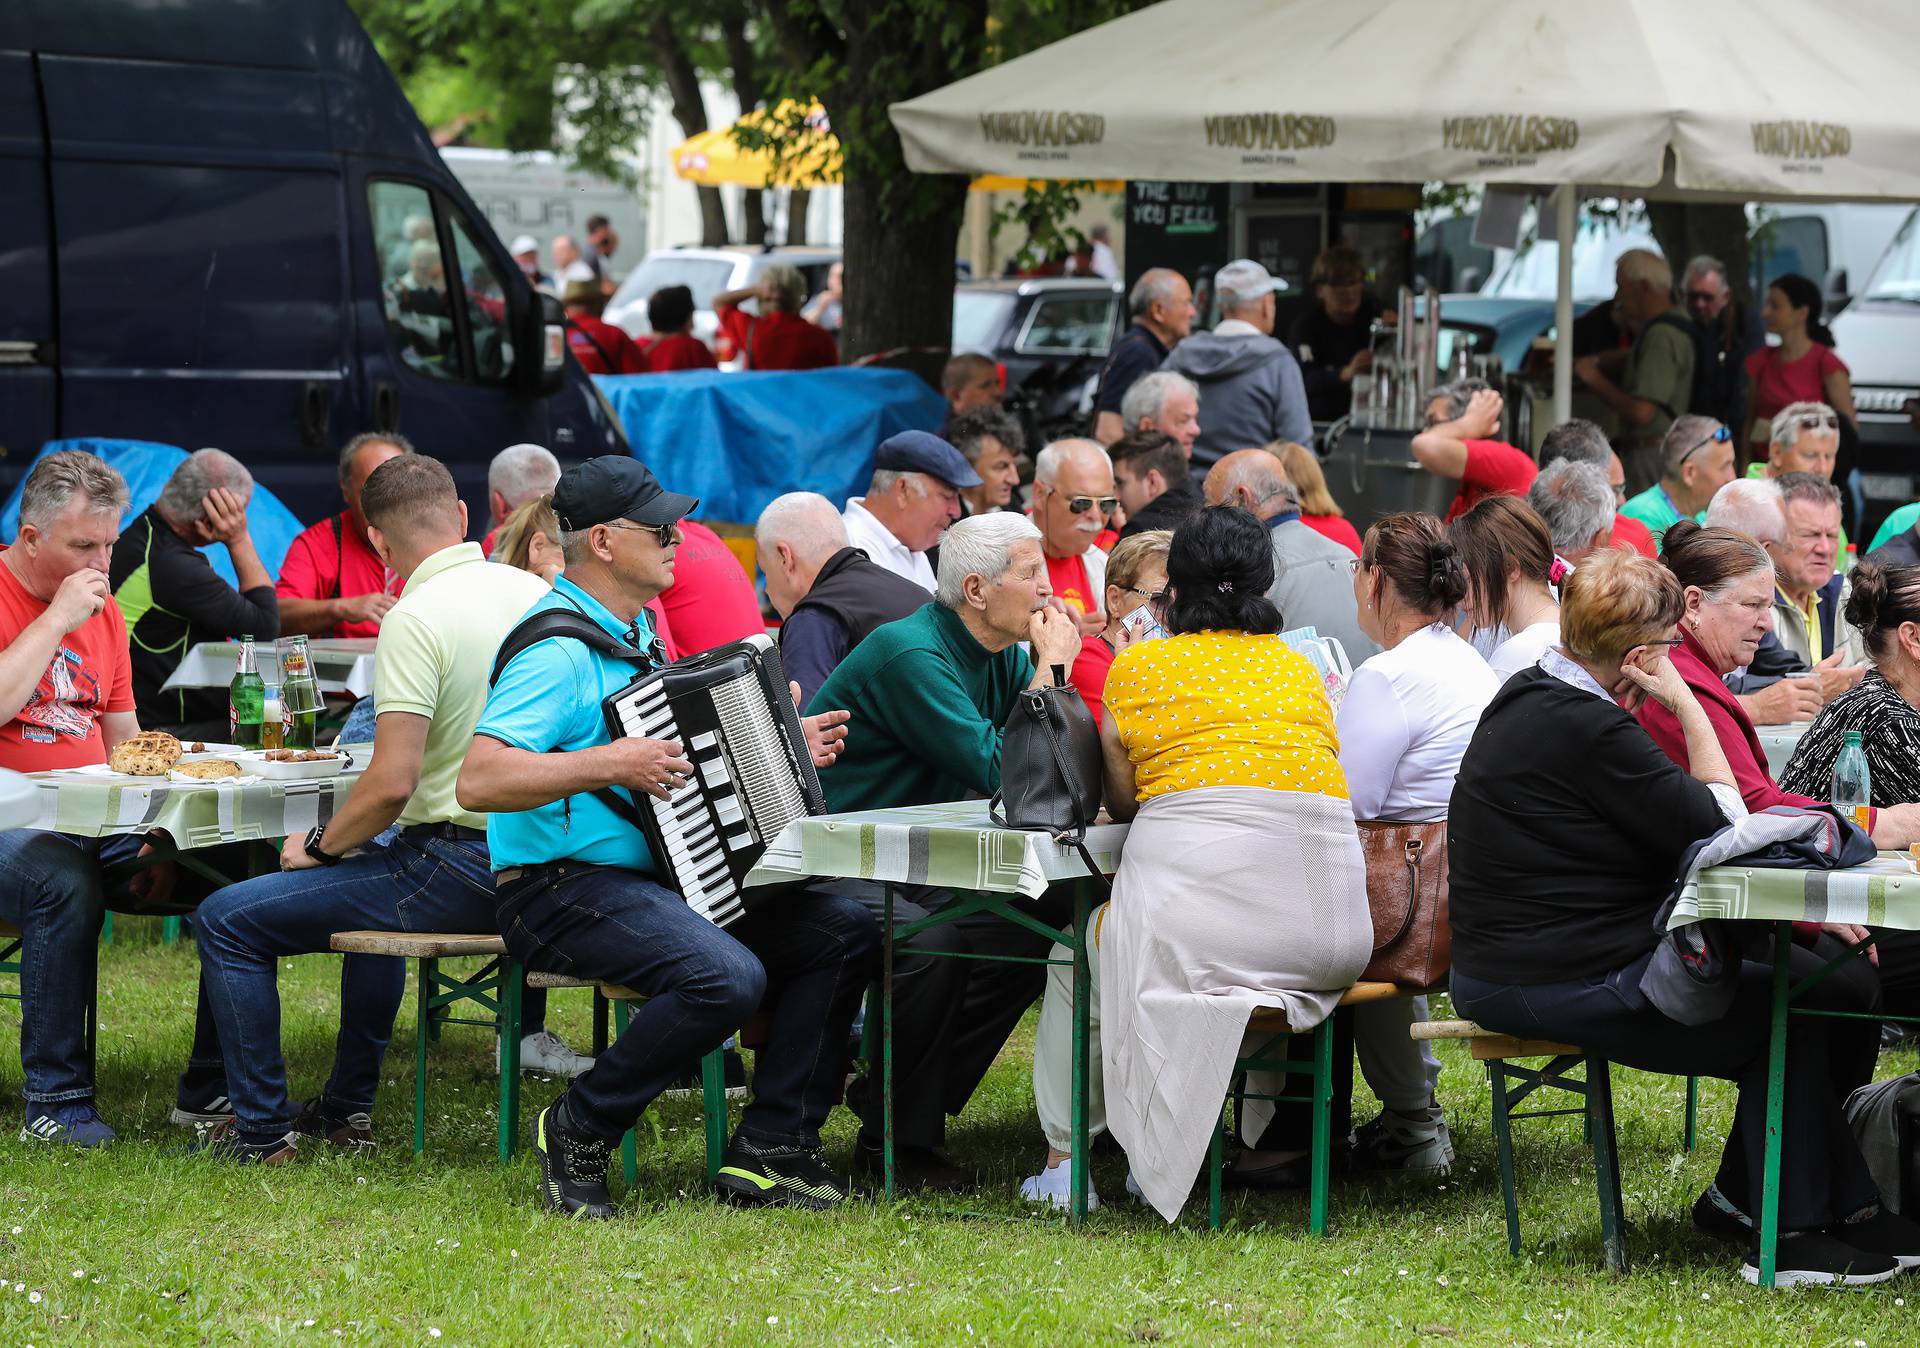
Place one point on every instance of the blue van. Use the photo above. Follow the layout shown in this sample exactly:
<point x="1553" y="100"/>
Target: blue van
<point x="224" y="225"/>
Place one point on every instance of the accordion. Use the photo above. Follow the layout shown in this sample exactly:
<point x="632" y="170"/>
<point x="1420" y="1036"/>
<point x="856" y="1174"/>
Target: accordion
<point x="732" y="712"/>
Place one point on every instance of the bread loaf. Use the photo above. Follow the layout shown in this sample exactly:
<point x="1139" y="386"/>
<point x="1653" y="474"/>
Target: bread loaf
<point x="151" y="753"/>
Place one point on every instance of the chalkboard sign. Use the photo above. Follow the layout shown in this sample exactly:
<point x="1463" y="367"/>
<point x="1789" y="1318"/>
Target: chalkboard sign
<point x="1178" y="225"/>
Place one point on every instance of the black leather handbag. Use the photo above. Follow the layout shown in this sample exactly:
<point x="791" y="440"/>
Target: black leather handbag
<point x="1050" y="766"/>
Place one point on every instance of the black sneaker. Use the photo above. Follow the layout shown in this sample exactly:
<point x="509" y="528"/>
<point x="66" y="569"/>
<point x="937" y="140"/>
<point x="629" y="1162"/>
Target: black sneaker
<point x="573" y="1169"/>
<point x="690" y="1087"/>
<point x="1718" y="1219"/>
<point x="201" y="1106"/>
<point x="1819" y="1259"/>
<point x="349" y="1132"/>
<point x="1885" y="1233"/>
<point x="796" y="1177"/>
<point x="915" y="1169"/>
<point x="223" y="1142"/>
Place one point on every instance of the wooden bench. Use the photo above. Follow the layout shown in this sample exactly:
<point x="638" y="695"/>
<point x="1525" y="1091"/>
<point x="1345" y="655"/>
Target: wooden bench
<point x="1512" y="1082"/>
<point x="1271" y="1021"/>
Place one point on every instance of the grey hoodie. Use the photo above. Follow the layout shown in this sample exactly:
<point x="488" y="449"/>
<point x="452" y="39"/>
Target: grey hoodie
<point x="1251" y="392"/>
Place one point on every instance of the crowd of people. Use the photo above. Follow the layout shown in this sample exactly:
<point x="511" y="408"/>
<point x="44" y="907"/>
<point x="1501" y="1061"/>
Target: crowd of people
<point x="1567" y="668"/>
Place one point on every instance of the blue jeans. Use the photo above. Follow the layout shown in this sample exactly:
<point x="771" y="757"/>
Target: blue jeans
<point x="428" y="884"/>
<point x="809" y="956"/>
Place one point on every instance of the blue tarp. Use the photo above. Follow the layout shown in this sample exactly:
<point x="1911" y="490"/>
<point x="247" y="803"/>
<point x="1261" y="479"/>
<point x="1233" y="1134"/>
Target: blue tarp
<point x="736" y="441"/>
<point x="146" y="466"/>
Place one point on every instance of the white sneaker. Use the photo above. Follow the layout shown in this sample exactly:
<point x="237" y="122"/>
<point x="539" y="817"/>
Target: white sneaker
<point x="1393" y="1142"/>
<point x="1054" y="1185"/>
<point x="548" y="1055"/>
<point x="1134" y="1189"/>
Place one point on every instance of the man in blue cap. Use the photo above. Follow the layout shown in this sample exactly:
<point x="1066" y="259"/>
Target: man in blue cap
<point x="578" y="891"/>
<point x="914" y="496"/>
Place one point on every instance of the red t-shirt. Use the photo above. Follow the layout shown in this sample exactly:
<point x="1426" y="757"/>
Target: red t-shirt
<point x="711" y="601"/>
<point x="602" y="348"/>
<point x="777" y="341"/>
<point x="1493" y="469"/>
<point x="89" y="674"/>
<point x="486" y="544"/>
<point x="1777" y="382"/>
<point x="1071" y="584"/>
<point x="325" y="564"/>
<point x="1631" y="534"/>
<point x="1337" y="528"/>
<point x="678" y="351"/>
<point x="1068" y="576"/>
<point x="1089" y="676"/>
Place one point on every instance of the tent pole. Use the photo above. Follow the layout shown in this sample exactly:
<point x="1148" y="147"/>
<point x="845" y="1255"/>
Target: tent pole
<point x="1566" y="204"/>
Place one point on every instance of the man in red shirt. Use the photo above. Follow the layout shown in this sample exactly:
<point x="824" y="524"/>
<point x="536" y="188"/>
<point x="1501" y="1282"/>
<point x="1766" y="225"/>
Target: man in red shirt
<point x="1462" y="419"/>
<point x="600" y="347"/>
<point x="332" y="583"/>
<point x="1073" y="494"/>
<point x="66" y="691"/>
<point x="711" y="601"/>
<point x="674" y="347"/>
<point x="778" y="339"/>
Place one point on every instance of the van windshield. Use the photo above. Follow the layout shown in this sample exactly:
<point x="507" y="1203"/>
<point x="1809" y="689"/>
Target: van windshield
<point x="1897" y="277"/>
<point x="979" y="317"/>
<point x="704" y="276"/>
<point x="1533" y="272"/>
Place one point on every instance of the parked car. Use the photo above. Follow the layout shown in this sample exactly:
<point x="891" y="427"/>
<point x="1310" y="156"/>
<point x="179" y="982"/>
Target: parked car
<point x="1878" y="336"/>
<point x="280" y="261"/>
<point x="708" y="272"/>
<point x="1050" y="336"/>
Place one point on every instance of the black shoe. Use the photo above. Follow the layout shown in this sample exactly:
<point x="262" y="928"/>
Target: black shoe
<point x="573" y="1169"/>
<point x="201" y="1106"/>
<point x="349" y="1132"/>
<point x="915" y="1169"/>
<point x="1819" y="1259"/>
<point x="1717" y="1219"/>
<point x="690" y="1087"/>
<point x="223" y="1142"/>
<point x="753" y="1176"/>
<point x="1884" y="1233"/>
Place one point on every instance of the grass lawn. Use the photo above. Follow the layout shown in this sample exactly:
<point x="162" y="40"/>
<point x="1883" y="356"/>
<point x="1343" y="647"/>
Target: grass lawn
<point x="142" y="1244"/>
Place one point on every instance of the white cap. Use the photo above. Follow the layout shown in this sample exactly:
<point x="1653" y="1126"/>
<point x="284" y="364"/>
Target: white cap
<point x="526" y="243"/>
<point x="1244" y="280"/>
<point x="575" y="271"/>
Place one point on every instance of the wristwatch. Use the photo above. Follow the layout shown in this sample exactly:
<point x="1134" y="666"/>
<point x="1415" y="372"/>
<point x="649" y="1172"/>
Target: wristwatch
<point x="312" y="845"/>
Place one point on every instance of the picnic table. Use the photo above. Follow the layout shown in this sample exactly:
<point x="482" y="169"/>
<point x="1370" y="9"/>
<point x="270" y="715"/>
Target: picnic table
<point x="1779" y="742"/>
<point x="341" y="665"/>
<point x="954" y="845"/>
<point x="1881" y="894"/>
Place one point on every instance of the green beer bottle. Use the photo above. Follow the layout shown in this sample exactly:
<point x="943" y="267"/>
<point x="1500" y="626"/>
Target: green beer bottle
<point x="246" y="699"/>
<point x="299" y="697"/>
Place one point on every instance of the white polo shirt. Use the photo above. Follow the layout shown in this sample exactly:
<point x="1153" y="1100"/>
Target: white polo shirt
<point x="882" y="548"/>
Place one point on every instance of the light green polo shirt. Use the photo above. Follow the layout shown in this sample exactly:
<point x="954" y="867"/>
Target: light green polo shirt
<point x="435" y="651"/>
<point x="1655" y="509"/>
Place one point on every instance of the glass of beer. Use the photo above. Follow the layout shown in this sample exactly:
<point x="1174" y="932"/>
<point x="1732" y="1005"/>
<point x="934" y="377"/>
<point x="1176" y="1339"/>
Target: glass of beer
<point x="270" y="713"/>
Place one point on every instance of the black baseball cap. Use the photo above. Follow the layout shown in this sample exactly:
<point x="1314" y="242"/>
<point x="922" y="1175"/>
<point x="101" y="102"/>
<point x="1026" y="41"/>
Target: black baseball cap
<point x="616" y="487"/>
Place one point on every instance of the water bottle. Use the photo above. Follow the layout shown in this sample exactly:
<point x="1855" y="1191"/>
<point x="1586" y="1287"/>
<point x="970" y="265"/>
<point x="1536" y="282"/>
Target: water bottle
<point x="1852" y="787"/>
<point x="246" y="698"/>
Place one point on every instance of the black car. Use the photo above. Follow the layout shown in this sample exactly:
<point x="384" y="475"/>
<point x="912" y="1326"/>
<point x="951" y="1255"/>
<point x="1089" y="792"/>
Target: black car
<point x="1051" y="336"/>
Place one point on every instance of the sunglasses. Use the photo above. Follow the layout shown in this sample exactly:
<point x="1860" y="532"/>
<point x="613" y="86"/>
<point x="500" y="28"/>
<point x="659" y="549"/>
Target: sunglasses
<point x="666" y="533"/>
<point x="1158" y="598"/>
<point x="1719" y="437"/>
<point x="1080" y="505"/>
<point x="1817" y="421"/>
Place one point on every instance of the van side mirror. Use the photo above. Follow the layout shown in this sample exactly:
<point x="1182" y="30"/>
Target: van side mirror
<point x="1837" y="283"/>
<point x="545" y="341"/>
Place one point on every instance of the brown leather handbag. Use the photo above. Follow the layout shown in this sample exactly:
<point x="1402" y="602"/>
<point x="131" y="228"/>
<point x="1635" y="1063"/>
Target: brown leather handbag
<point x="1407" y="891"/>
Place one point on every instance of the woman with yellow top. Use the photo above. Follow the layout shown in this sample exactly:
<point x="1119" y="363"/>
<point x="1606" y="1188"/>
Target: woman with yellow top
<point x="1242" y="884"/>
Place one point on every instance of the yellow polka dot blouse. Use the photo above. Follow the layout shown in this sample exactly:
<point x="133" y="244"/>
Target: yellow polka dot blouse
<point x="1224" y="709"/>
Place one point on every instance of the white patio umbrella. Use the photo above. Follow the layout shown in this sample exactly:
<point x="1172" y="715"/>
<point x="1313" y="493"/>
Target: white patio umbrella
<point x="1711" y="99"/>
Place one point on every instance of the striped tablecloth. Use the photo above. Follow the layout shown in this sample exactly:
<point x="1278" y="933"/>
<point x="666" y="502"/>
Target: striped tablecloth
<point x="193" y="814"/>
<point x="1779" y="742"/>
<point x="948" y="846"/>
<point x="1885" y="892"/>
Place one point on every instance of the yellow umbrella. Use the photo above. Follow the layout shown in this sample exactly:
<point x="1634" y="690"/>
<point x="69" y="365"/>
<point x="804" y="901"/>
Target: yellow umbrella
<point x="716" y="159"/>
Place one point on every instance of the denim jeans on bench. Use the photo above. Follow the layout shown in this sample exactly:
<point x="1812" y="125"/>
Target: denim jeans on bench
<point x="428" y="885"/>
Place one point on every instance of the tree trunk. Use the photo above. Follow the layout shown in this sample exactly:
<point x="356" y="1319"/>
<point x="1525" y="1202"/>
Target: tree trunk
<point x="746" y="88"/>
<point x="797" y="199"/>
<point x="899" y="266"/>
<point x="690" y="110"/>
<point x="1685" y="230"/>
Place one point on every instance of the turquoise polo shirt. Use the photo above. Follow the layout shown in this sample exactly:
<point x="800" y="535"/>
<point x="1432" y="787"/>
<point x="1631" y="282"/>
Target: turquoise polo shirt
<point x="548" y="699"/>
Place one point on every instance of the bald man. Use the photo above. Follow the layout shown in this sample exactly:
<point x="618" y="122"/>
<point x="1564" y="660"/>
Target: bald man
<point x="1313" y="582"/>
<point x="829" y="594"/>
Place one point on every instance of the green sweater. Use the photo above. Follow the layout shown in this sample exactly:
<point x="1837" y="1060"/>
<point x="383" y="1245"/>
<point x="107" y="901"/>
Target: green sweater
<point x="927" y="703"/>
<point x="1655" y="509"/>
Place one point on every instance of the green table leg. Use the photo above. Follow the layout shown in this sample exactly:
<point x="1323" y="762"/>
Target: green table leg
<point x="713" y="1087"/>
<point x="1692" y="1133"/>
<point x="629" y="1146"/>
<point x="423" y="1026"/>
<point x="512" y="985"/>
<point x="1606" y="1164"/>
<point x="1776" y="1101"/>
<point x="1320" y="1163"/>
<point x="886" y="1042"/>
<point x="169" y="930"/>
<point x="1503" y="1150"/>
<point x="1217" y="1163"/>
<point x="1082" y="1017"/>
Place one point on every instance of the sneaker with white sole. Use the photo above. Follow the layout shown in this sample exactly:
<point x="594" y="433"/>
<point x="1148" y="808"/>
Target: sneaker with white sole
<point x="1821" y="1259"/>
<point x="202" y="1105"/>
<point x="547" y="1054"/>
<point x="74" y="1123"/>
<point x="1054" y="1186"/>
<point x="1397" y="1144"/>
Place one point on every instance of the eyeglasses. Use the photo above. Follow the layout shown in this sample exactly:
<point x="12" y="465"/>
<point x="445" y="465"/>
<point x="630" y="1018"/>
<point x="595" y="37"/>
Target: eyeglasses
<point x="1353" y="566"/>
<point x="1158" y="598"/>
<point x="1720" y="436"/>
<point x="668" y="534"/>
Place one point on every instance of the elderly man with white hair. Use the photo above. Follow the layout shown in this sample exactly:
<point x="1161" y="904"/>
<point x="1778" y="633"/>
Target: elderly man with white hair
<point x="517" y="475"/>
<point x="913" y="496"/>
<point x="173" y="599"/>
<point x="1576" y="502"/>
<point x="828" y="594"/>
<point x="1764" y="688"/>
<point x="1251" y="383"/>
<point x="1161" y="307"/>
<point x="1650" y="385"/>
<point x="1164" y="401"/>
<point x="927" y="697"/>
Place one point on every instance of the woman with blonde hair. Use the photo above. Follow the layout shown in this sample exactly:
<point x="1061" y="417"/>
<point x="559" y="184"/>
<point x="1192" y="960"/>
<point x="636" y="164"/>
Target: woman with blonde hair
<point x="1318" y="510"/>
<point x="530" y="540"/>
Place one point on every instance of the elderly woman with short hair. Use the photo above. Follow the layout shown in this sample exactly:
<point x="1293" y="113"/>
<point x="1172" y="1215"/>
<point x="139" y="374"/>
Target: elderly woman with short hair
<point x="1567" y="826"/>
